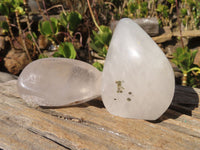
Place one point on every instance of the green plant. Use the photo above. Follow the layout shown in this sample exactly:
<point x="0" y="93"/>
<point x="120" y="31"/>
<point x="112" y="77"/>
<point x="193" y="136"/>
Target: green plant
<point x="4" y="26"/>
<point x="163" y="11"/>
<point x="185" y="17"/>
<point x="17" y="7"/>
<point x="196" y="14"/>
<point x="7" y="7"/>
<point x="70" y="20"/>
<point x="194" y="9"/>
<point x="66" y="50"/>
<point x="143" y="7"/>
<point x="136" y="9"/>
<point x="98" y="65"/>
<point x="49" y="29"/>
<point x="131" y="10"/>
<point x="190" y="11"/>
<point x="101" y="39"/>
<point x="184" y="59"/>
<point x="67" y="25"/>
<point x="42" y="56"/>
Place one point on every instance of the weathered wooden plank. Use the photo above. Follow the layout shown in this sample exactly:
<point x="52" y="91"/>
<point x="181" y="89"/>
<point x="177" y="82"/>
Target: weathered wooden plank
<point x="14" y="137"/>
<point x="183" y="118"/>
<point x="144" y="132"/>
<point x="167" y="36"/>
<point x="90" y="126"/>
<point x="188" y="33"/>
<point x="181" y="123"/>
<point x="162" y="38"/>
<point x="70" y="134"/>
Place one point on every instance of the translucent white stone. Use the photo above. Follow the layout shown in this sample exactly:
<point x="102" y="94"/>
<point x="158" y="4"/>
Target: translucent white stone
<point x="59" y="82"/>
<point x="138" y="81"/>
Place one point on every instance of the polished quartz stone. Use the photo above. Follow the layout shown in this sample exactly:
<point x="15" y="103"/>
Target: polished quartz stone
<point x="138" y="81"/>
<point x="59" y="82"/>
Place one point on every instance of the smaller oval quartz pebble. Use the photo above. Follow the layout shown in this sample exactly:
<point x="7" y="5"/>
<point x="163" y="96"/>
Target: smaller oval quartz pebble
<point x="56" y="82"/>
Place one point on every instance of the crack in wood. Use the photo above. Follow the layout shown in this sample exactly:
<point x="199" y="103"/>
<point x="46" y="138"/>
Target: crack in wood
<point x="48" y="138"/>
<point x="92" y="125"/>
<point x="61" y="116"/>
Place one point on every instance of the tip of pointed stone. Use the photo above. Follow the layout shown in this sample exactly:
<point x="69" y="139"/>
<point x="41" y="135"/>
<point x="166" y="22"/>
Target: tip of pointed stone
<point x="138" y="81"/>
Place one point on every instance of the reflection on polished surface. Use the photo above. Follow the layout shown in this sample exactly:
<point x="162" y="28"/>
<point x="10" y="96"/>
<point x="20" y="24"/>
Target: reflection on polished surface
<point x="138" y="81"/>
<point x="59" y="82"/>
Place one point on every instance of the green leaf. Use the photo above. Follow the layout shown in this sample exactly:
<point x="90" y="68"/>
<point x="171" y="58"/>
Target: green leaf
<point x="100" y="41"/>
<point x="46" y="27"/>
<point x="184" y="58"/>
<point x="10" y="6"/>
<point x="197" y="69"/>
<point x="63" y="20"/>
<point x="66" y="50"/>
<point x="104" y="51"/>
<point x="4" y="10"/>
<point x="74" y="19"/>
<point x="106" y="35"/>
<point x="171" y="1"/>
<point x="94" y="47"/>
<point x="57" y="54"/>
<point x="16" y="3"/>
<point x="144" y="9"/>
<point x="4" y="25"/>
<point x="194" y="52"/>
<point x="42" y="56"/>
<point x="97" y="39"/>
<point x="34" y="35"/>
<point x="163" y="9"/>
<point x="20" y="10"/>
<point x="29" y="36"/>
<point x="159" y="8"/>
<point x="132" y="7"/>
<point x="179" y="51"/>
<point x="184" y="11"/>
<point x="98" y="65"/>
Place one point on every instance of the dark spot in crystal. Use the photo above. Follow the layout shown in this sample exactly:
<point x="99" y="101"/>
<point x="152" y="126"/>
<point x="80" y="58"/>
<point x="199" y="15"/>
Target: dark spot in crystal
<point x="128" y="99"/>
<point x="120" y="88"/>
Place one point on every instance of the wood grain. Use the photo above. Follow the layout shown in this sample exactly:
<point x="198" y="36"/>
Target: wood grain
<point x="90" y="126"/>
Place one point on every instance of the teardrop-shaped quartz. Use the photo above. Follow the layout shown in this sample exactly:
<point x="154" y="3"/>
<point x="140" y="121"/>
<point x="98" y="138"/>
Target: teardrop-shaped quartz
<point x="59" y="82"/>
<point x="138" y="81"/>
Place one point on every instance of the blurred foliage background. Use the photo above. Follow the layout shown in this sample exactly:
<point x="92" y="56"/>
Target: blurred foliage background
<point x="80" y="29"/>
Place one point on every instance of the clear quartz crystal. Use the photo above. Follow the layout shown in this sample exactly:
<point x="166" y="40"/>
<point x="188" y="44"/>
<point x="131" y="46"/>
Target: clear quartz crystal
<point x="138" y="80"/>
<point x="59" y="82"/>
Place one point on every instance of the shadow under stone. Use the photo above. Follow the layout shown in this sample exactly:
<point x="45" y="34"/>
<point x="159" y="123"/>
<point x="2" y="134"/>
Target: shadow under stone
<point x="184" y="101"/>
<point x="95" y="102"/>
